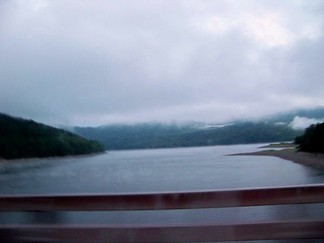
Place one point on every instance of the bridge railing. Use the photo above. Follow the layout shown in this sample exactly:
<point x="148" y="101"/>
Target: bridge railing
<point x="268" y="230"/>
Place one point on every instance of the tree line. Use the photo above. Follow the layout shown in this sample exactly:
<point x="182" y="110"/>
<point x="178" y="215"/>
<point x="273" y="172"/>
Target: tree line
<point x="312" y="140"/>
<point x="156" y="135"/>
<point x="21" y="138"/>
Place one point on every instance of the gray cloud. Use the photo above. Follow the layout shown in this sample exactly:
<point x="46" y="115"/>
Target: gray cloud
<point x="97" y="62"/>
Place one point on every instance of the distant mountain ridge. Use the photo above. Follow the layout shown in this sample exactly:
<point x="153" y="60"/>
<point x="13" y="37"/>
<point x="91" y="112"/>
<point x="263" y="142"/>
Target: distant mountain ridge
<point x="276" y="128"/>
<point x="312" y="113"/>
<point x="21" y="138"/>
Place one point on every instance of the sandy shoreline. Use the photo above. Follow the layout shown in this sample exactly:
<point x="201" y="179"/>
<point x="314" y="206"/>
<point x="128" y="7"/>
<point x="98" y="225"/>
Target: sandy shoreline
<point x="309" y="159"/>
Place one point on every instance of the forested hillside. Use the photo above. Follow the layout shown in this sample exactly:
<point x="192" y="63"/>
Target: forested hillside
<point x="312" y="140"/>
<point x="20" y="138"/>
<point x="156" y="135"/>
<point x="276" y="128"/>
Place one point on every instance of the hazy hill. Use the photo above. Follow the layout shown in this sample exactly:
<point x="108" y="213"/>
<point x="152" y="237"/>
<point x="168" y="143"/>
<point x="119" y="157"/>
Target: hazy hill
<point x="280" y="127"/>
<point x="312" y="113"/>
<point x="20" y="138"/>
<point x="166" y="135"/>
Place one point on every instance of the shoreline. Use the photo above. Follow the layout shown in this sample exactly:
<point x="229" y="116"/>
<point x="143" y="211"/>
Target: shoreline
<point x="291" y="154"/>
<point x="50" y="158"/>
<point x="17" y="165"/>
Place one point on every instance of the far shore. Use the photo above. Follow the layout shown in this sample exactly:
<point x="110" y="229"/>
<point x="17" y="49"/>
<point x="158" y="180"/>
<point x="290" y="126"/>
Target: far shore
<point x="309" y="159"/>
<point x="50" y="158"/>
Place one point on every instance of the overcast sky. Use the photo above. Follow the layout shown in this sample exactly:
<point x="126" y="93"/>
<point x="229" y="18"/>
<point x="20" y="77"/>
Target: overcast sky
<point x="95" y="62"/>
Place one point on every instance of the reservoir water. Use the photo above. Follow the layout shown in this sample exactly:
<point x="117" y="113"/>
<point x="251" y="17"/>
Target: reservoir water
<point x="160" y="170"/>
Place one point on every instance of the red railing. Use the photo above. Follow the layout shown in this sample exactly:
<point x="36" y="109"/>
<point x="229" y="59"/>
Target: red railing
<point x="304" y="229"/>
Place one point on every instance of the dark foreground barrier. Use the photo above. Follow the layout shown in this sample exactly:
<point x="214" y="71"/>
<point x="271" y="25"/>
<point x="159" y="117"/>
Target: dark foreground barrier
<point x="302" y="229"/>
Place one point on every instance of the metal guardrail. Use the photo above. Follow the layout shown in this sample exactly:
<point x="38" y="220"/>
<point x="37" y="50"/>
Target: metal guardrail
<point x="166" y="201"/>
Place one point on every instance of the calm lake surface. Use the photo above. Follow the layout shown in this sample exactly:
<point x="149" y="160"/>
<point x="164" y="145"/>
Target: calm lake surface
<point x="180" y="169"/>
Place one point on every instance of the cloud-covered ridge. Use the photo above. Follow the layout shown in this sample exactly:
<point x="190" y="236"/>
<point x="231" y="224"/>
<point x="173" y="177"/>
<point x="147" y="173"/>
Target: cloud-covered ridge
<point x="96" y="62"/>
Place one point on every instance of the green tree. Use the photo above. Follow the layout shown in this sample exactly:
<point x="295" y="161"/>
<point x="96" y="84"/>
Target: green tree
<point x="21" y="138"/>
<point x="312" y="140"/>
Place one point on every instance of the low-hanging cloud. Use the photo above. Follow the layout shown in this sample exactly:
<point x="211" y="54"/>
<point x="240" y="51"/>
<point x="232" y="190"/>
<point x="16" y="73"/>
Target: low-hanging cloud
<point x="300" y="123"/>
<point x="97" y="62"/>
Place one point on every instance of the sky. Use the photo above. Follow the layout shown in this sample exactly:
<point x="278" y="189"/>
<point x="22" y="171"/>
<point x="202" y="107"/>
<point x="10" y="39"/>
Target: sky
<point x="97" y="62"/>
